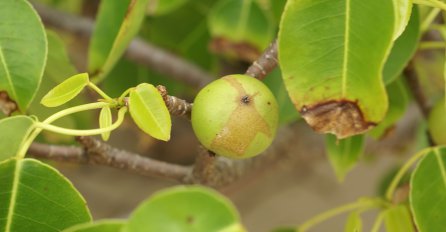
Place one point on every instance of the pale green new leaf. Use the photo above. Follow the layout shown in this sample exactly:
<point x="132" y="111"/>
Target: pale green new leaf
<point x="398" y="219"/>
<point x="332" y="55"/>
<point x="117" y="23"/>
<point x="344" y="154"/>
<point x="105" y="120"/>
<point x="13" y="132"/>
<point x="66" y="90"/>
<point x="195" y="209"/>
<point x="113" y="225"/>
<point x="354" y="223"/>
<point x="403" y="9"/>
<point x="149" y="111"/>
<point x="23" y="51"/>
<point x="36" y="197"/>
<point x="428" y="192"/>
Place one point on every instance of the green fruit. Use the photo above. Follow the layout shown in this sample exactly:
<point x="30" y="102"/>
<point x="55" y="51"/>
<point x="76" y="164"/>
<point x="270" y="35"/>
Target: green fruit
<point x="437" y="123"/>
<point x="235" y="116"/>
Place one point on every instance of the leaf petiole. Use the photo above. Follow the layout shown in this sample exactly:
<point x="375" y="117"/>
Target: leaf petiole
<point x="99" y="91"/>
<point x="74" y="132"/>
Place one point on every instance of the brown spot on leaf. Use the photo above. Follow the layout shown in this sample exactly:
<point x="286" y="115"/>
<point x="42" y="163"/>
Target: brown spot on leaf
<point x="241" y="50"/>
<point x="341" y="118"/>
<point x="232" y="136"/>
<point x="7" y="105"/>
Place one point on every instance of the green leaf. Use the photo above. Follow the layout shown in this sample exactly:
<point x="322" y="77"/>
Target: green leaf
<point x="437" y="122"/>
<point x="116" y="25"/>
<point x="403" y="49"/>
<point x="66" y="90"/>
<point x="105" y="120"/>
<point x="243" y="23"/>
<point x="58" y="65"/>
<point x="403" y="9"/>
<point x="36" y="197"/>
<point x="14" y="131"/>
<point x="354" y="223"/>
<point x="398" y="219"/>
<point x="428" y="192"/>
<point x="98" y="226"/>
<point x="332" y="54"/>
<point x="23" y="50"/>
<point x="398" y="102"/>
<point x="344" y="154"/>
<point x="160" y="7"/>
<point x="149" y="111"/>
<point x="287" y="112"/>
<point x="185" y="209"/>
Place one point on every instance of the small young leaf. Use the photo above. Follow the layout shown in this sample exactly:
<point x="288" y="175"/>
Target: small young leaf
<point x="36" y="197"/>
<point x="149" y="111"/>
<point x="354" y="223"/>
<point x="13" y="132"/>
<point x="105" y="120"/>
<point x="185" y="209"/>
<point x="398" y="219"/>
<point x="98" y="226"/>
<point x="403" y="9"/>
<point x="403" y="49"/>
<point x="344" y="154"/>
<point x="23" y="51"/>
<point x="66" y="90"/>
<point x="116" y="25"/>
<point x="428" y="192"/>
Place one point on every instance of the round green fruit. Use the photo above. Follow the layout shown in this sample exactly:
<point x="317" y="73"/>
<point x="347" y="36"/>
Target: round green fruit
<point x="437" y="123"/>
<point x="235" y="116"/>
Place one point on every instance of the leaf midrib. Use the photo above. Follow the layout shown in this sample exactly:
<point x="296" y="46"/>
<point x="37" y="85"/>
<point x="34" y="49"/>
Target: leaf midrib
<point x="12" y="201"/>
<point x="441" y="166"/>
<point x="346" y="46"/>
<point x="8" y="75"/>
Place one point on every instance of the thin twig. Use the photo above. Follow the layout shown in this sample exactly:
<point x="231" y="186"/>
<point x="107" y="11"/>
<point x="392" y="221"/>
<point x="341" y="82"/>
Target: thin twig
<point x="265" y="64"/>
<point x="139" y="51"/>
<point x="99" y="153"/>
<point x="175" y="105"/>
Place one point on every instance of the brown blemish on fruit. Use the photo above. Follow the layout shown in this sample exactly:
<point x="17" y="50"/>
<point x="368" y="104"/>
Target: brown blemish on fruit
<point x="234" y="138"/>
<point x="342" y="118"/>
<point x="7" y="105"/>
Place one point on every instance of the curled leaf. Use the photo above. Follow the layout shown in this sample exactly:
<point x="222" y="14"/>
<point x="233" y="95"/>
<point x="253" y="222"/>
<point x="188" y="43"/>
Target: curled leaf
<point x="149" y="111"/>
<point x="105" y="120"/>
<point x="66" y="90"/>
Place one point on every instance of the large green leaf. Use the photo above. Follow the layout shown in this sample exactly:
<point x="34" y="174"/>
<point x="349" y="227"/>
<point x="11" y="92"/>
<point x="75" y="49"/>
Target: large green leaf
<point x="398" y="102"/>
<point x="242" y="23"/>
<point x="428" y="192"/>
<point x="36" y="197"/>
<point x="403" y="9"/>
<point x="116" y="25"/>
<point x="185" y="209"/>
<point x="98" y="226"/>
<point x="354" y="223"/>
<point x="398" y="219"/>
<point x="344" y="154"/>
<point x="149" y="111"/>
<point x="14" y="131"/>
<point x="403" y="49"/>
<point x="332" y="55"/>
<point x="23" y="50"/>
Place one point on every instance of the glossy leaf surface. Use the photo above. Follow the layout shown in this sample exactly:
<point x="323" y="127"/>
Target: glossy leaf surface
<point x="185" y="209"/>
<point x="23" y="51"/>
<point x="344" y="154"/>
<point x="105" y="120"/>
<point x="331" y="71"/>
<point x="36" y="197"/>
<point x="66" y="90"/>
<point x="428" y="191"/>
<point x="149" y="111"/>
<point x="98" y="226"/>
<point x="116" y="24"/>
<point x="13" y="132"/>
